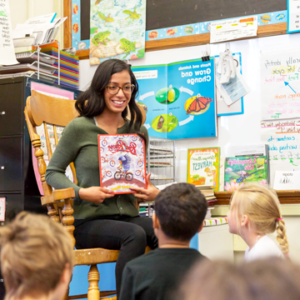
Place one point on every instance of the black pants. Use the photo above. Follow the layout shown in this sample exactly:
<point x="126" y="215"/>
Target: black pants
<point x="127" y="234"/>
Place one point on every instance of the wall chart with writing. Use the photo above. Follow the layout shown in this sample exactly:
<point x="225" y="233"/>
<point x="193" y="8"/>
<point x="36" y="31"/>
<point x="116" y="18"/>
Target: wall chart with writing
<point x="283" y="138"/>
<point x="6" y="45"/>
<point x="280" y="84"/>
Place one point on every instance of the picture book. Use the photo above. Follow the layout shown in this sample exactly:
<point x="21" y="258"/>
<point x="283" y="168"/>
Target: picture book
<point x="122" y="162"/>
<point x="243" y="169"/>
<point x="179" y="99"/>
<point x="204" y="167"/>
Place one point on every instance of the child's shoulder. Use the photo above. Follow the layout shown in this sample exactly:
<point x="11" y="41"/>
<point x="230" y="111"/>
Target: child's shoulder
<point x="142" y="261"/>
<point x="265" y="247"/>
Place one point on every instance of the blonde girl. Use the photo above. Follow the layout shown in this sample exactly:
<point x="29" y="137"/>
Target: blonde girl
<point x="254" y="213"/>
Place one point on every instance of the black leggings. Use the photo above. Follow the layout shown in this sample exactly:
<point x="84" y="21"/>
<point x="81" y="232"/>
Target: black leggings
<point x="127" y="234"/>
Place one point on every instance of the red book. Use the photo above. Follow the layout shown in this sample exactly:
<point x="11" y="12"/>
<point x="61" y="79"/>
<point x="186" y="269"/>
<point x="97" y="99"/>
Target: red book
<point x="122" y="162"/>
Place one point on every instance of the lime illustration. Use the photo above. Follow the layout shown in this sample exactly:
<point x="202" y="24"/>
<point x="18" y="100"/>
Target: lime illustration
<point x="164" y="123"/>
<point x="167" y="95"/>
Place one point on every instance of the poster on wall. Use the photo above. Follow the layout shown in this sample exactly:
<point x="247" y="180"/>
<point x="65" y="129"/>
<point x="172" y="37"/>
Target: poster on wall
<point x="117" y="29"/>
<point x="179" y="99"/>
<point x="7" y="50"/>
<point x="283" y="139"/>
<point x="280" y="84"/>
<point x="293" y="16"/>
<point x="204" y="167"/>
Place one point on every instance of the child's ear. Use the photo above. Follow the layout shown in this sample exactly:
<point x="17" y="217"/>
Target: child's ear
<point x="155" y="221"/>
<point x="201" y="227"/>
<point x="244" y="220"/>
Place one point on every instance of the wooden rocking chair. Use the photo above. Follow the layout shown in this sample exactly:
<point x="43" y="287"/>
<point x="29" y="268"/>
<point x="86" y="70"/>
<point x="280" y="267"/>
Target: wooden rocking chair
<point x="42" y="110"/>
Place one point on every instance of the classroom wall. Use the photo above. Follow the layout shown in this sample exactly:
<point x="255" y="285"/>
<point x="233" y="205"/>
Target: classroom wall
<point x="232" y="130"/>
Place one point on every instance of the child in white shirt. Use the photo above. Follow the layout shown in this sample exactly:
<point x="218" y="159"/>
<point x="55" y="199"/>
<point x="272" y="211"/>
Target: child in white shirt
<point x="254" y="213"/>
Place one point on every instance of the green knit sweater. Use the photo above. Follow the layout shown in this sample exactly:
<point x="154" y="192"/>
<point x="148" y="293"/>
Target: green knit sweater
<point x="78" y="144"/>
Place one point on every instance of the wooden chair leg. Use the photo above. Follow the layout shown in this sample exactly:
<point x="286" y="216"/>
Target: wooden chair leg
<point x="93" y="279"/>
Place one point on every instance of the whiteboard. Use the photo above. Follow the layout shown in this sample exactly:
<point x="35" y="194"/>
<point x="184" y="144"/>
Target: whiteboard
<point x="232" y="130"/>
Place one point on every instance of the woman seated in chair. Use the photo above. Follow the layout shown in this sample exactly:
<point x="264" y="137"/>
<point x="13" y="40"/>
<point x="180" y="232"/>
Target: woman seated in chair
<point x="103" y="220"/>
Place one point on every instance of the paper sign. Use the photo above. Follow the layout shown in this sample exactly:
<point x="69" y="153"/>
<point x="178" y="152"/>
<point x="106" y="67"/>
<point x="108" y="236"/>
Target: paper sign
<point x="280" y="84"/>
<point x="287" y="180"/>
<point x="7" y="51"/>
<point x="2" y="209"/>
<point x="293" y="16"/>
<point x="235" y="89"/>
<point x="233" y="29"/>
<point x="283" y="138"/>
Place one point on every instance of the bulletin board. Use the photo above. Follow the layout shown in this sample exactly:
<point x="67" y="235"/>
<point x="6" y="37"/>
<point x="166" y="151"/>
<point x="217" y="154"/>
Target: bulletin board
<point x="180" y="23"/>
<point x="233" y="130"/>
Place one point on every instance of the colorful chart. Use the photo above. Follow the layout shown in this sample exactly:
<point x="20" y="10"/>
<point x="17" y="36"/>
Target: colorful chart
<point x="180" y="99"/>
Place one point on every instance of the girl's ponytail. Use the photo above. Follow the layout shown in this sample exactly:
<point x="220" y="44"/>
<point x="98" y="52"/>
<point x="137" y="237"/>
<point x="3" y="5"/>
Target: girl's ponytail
<point x="281" y="236"/>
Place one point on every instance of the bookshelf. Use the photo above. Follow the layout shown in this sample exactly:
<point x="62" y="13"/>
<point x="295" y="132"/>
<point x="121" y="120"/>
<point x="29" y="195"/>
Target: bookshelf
<point x="285" y="197"/>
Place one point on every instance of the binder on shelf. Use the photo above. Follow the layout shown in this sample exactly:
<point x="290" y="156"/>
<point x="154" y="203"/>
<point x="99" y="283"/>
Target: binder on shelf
<point x="32" y="56"/>
<point x="27" y="67"/>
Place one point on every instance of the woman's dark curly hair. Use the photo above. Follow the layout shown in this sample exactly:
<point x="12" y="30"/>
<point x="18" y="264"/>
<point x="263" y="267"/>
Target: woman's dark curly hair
<point x="91" y="103"/>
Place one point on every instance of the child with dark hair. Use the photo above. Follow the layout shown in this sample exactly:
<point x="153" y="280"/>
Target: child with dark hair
<point x="179" y="213"/>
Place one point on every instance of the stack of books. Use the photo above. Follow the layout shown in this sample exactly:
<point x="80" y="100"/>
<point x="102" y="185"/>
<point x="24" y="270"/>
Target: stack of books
<point x="208" y="192"/>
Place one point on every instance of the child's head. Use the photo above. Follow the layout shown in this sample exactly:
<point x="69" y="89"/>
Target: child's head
<point x="261" y="208"/>
<point x="36" y="257"/>
<point x="180" y="210"/>
<point x="271" y="279"/>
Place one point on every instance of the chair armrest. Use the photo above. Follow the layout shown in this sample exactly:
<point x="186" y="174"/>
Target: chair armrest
<point x="58" y="195"/>
<point x="63" y="194"/>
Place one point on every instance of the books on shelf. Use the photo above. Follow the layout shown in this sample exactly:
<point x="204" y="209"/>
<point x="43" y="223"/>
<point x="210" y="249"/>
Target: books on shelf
<point x="242" y="169"/>
<point x="160" y="150"/>
<point x="122" y="162"/>
<point x="159" y="164"/>
<point x="203" y="166"/>
<point x="208" y="192"/>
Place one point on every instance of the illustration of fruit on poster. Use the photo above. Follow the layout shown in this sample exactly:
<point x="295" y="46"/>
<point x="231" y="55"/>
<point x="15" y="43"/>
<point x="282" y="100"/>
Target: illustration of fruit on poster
<point x="204" y="167"/>
<point x="117" y="29"/>
<point x="122" y="162"/>
<point x="179" y="99"/>
<point x="243" y="169"/>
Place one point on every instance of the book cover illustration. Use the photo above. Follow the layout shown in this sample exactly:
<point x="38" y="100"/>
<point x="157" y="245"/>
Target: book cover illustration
<point x="243" y="169"/>
<point x="122" y="162"/>
<point x="204" y="167"/>
<point x="178" y="97"/>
